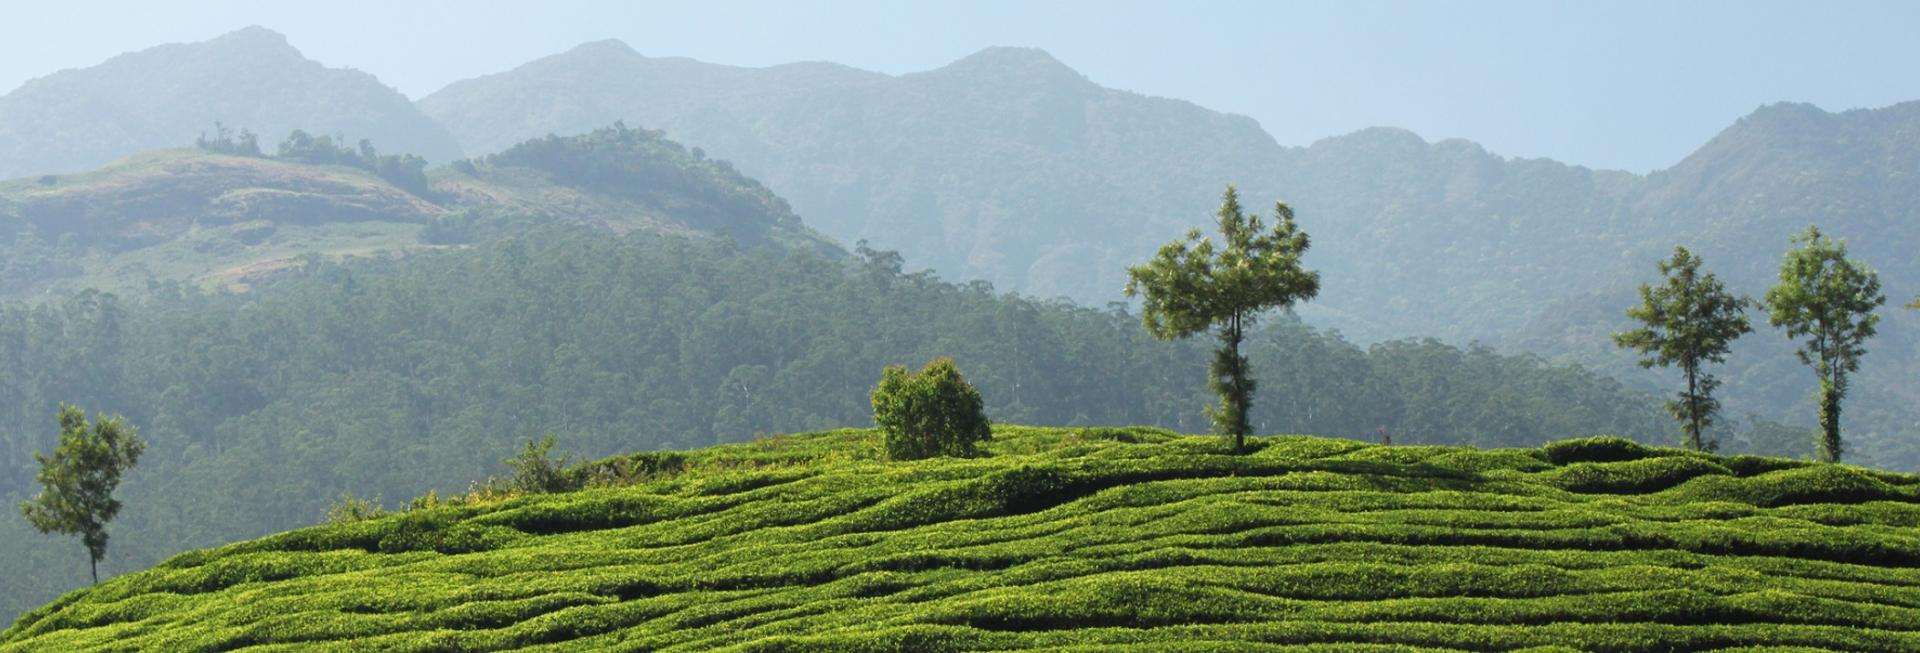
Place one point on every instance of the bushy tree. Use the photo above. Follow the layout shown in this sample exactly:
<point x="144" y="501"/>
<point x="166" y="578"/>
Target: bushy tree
<point x="1191" y="287"/>
<point x="78" y="480"/>
<point x="1828" y="299"/>
<point x="932" y="413"/>
<point x="1688" y="321"/>
<point x="537" y="471"/>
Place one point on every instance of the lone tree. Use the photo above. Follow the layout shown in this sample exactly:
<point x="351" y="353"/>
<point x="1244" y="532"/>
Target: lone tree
<point x="932" y="413"/>
<point x="1829" y="299"/>
<point x="1191" y="286"/>
<point x="1689" y="321"/>
<point x="78" y="480"/>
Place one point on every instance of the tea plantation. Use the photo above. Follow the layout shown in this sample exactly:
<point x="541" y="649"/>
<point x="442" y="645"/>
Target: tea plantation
<point x="1071" y="539"/>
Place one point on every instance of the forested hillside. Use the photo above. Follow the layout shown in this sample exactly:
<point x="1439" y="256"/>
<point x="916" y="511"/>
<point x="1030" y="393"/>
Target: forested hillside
<point x="1009" y="166"/>
<point x="392" y="377"/>
<point x="1006" y="166"/>
<point x="75" y="120"/>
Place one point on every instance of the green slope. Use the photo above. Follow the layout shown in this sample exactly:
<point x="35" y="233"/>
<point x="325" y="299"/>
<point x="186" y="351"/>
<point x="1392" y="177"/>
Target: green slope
<point x="1069" y="538"/>
<point x="227" y="222"/>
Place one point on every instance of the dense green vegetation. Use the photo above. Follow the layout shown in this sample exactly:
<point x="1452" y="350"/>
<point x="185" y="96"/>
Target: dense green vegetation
<point x="933" y="412"/>
<point x="1072" y="539"/>
<point x="389" y="378"/>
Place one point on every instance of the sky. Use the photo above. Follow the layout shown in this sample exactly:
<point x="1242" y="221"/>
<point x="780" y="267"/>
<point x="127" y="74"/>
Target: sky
<point x="1622" y="85"/>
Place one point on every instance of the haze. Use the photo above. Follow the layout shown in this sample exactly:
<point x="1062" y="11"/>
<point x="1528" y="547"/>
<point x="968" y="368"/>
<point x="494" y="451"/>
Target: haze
<point x="1633" y="86"/>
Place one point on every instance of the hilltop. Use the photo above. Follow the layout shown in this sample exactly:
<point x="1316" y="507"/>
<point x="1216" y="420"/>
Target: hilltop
<point x="227" y="221"/>
<point x="80" y="119"/>
<point x="1071" y="538"/>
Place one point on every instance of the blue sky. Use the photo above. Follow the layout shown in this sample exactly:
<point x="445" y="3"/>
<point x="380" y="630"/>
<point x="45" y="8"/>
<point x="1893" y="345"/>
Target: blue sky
<point x="1629" y="85"/>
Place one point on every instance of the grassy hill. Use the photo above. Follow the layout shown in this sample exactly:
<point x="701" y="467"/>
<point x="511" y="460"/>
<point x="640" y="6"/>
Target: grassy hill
<point x="225" y="221"/>
<point x="1073" y="539"/>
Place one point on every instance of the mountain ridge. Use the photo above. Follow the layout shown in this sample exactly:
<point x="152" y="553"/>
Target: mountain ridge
<point x="82" y="118"/>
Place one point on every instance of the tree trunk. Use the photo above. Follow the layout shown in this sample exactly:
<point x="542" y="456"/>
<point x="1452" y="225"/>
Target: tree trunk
<point x="93" y="567"/>
<point x="1830" y="394"/>
<point x="1232" y="384"/>
<point x="1693" y="410"/>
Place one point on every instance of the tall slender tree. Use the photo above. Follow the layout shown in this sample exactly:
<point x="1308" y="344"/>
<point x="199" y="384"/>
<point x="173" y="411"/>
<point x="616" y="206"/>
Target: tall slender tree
<point x="78" y="480"/>
<point x="1828" y="299"/>
<point x="1689" y="321"/>
<point x="1191" y="286"/>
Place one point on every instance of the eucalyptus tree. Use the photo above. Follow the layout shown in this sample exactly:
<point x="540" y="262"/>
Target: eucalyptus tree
<point x="1191" y="286"/>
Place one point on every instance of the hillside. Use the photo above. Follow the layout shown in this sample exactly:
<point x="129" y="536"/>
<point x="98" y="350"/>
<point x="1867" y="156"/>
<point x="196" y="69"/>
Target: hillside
<point x="1006" y="166"/>
<point x="1072" y="538"/>
<point x="80" y="119"/>
<point x="396" y="377"/>
<point x="225" y="221"/>
<point x="1009" y="166"/>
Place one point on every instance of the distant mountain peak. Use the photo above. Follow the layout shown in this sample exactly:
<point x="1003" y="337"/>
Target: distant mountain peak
<point x="1015" y="61"/>
<point x="254" y="37"/>
<point x="1378" y="137"/>
<point x="604" y="48"/>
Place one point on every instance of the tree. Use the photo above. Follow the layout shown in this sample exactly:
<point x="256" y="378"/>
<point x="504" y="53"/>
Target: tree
<point x="1829" y="299"/>
<point x="1191" y="287"/>
<point x="536" y="471"/>
<point x="79" y="479"/>
<point x="1689" y="321"/>
<point x="932" y="413"/>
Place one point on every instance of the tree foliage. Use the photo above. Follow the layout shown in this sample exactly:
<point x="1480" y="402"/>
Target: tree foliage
<point x="537" y="471"/>
<point x="1190" y="287"/>
<point x="1829" y="300"/>
<point x="406" y="171"/>
<point x="1689" y="321"/>
<point x="78" y="480"/>
<point x="934" y="412"/>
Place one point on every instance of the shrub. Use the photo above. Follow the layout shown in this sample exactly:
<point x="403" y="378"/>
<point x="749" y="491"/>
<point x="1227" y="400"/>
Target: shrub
<point x="1633" y="476"/>
<point x="535" y="472"/>
<point x="1600" y="449"/>
<point x="932" y="413"/>
<point x="351" y="509"/>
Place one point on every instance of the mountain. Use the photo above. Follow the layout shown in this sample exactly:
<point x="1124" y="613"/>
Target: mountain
<point x="163" y="96"/>
<point x="1006" y="165"/>
<point x="1068" y="538"/>
<point x="225" y="220"/>
<point x="1009" y="166"/>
